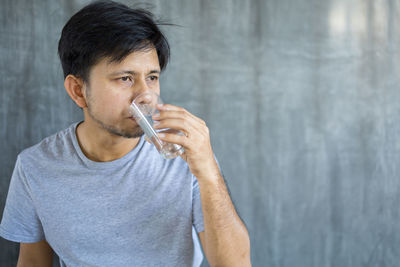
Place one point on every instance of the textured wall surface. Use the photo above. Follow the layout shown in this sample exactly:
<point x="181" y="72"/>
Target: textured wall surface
<point x="301" y="97"/>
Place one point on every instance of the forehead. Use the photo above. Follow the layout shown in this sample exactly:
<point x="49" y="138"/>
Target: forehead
<point x="137" y="61"/>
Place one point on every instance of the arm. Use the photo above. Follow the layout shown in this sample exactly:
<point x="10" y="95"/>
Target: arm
<point x="38" y="254"/>
<point x="225" y="239"/>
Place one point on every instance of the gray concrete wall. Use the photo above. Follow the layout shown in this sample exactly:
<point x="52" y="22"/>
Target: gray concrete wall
<point x="301" y="97"/>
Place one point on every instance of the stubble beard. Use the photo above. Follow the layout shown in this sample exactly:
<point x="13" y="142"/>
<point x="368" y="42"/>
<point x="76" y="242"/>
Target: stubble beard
<point x="138" y="132"/>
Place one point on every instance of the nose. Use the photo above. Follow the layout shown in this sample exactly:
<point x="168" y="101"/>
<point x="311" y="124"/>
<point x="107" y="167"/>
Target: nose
<point x="139" y="88"/>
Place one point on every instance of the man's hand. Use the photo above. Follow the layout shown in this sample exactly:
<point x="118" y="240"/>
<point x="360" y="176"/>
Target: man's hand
<point x="196" y="139"/>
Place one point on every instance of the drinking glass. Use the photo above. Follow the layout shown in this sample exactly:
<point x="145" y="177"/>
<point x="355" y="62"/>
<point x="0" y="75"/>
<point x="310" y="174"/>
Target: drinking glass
<point x="143" y="107"/>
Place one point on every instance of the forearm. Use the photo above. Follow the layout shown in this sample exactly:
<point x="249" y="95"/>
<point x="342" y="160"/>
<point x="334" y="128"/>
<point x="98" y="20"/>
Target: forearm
<point x="226" y="238"/>
<point x="35" y="254"/>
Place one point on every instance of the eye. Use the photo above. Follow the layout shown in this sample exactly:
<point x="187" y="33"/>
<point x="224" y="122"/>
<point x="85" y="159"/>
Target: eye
<point x="125" y="78"/>
<point x="153" y="78"/>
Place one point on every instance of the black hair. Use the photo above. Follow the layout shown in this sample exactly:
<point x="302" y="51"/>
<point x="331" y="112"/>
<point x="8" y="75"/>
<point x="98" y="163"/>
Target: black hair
<point x="106" y="29"/>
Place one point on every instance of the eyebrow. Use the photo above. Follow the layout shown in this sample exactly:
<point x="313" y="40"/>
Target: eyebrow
<point x="131" y="72"/>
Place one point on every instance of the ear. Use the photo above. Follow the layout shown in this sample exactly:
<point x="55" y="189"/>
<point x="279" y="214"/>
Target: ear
<point x="76" y="90"/>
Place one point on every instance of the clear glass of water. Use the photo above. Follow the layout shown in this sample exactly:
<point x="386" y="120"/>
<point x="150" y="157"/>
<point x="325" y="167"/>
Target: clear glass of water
<point x="142" y="108"/>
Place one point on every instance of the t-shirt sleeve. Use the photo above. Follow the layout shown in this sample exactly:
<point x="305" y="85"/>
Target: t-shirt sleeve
<point x="20" y="222"/>
<point x="197" y="211"/>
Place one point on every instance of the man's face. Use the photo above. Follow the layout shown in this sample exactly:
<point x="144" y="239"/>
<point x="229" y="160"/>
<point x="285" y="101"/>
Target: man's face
<point x="113" y="87"/>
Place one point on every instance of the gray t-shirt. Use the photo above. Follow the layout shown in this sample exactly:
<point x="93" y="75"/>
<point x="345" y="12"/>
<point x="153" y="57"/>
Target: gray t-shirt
<point x="139" y="210"/>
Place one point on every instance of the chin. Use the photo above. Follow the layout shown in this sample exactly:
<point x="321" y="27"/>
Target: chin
<point x="137" y="132"/>
<point x="127" y="131"/>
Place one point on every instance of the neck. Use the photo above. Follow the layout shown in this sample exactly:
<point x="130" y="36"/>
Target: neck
<point x="100" y="145"/>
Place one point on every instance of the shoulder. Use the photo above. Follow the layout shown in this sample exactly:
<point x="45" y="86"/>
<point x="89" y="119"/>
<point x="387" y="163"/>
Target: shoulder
<point x="51" y="147"/>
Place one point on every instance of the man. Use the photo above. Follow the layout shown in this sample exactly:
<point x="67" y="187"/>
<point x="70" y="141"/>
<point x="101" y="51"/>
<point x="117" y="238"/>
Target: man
<point x="96" y="193"/>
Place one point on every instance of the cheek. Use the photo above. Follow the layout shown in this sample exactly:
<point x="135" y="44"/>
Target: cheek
<point x="111" y="103"/>
<point x="116" y="104"/>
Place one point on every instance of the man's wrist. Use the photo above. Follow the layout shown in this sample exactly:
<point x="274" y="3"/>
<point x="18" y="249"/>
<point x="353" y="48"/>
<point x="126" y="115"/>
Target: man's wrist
<point x="210" y="173"/>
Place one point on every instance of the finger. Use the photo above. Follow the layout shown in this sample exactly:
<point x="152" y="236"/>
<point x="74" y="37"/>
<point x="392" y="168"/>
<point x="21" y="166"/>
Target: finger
<point x="176" y="124"/>
<point x="168" y="108"/>
<point x="176" y="108"/>
<point x="169" y="114"/>
<point x="187" y="126"/>
<point x="179" y="115"/>
<point x="174" y="139"/>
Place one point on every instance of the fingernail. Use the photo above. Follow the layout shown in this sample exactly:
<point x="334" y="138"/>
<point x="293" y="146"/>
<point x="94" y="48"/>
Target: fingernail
<point x="161" y="135"/>
<point x="156" y="123"/>
<point x="156" y="115"/>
